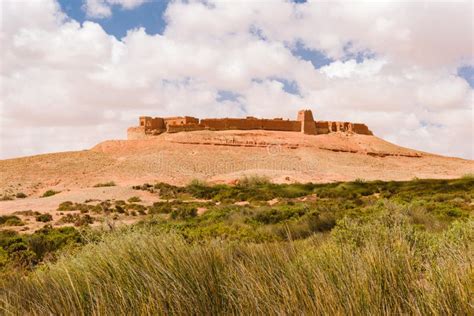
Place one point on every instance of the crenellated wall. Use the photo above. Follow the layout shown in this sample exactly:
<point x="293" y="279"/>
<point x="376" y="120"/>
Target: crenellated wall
<point x="304" y="123"/>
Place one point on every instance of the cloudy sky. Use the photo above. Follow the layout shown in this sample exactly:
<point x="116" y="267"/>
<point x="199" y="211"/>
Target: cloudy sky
<point x="76" y="72"/>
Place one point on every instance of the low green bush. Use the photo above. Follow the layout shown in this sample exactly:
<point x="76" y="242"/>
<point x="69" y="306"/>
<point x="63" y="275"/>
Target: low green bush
<point x="44" y="218"/>
<point x="27" y="213"/>
<point x="26" y="251"/>
<point x="50" y="193"/>
<point x="134" y="199"/>
<point x="76" y="219"/>
<point x="160" y="208"/>
<point x="168" y="191"/>
<point x="10" y="220"/>
<point x="66" y="206"/>
<point x="274" y="215"/>
<point x="184" y="212"/>
<point x="105" y="184"/>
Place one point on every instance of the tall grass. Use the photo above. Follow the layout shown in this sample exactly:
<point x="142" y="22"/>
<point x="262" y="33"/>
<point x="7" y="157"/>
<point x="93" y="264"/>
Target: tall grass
<point x="381" y="266"/>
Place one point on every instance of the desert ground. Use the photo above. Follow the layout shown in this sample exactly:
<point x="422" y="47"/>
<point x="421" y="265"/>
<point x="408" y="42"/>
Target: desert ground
<point x="214" y="157"/>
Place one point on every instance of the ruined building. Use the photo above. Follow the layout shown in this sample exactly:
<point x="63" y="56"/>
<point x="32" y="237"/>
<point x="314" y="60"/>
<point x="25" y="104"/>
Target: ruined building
<point x="305" y="123"/>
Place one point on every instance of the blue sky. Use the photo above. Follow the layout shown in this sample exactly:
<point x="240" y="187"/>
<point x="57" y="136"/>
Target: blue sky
<point x="148" y="15"/>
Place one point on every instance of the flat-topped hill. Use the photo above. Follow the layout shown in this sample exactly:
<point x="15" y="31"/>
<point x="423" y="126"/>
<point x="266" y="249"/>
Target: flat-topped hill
<point x="224" y="156"/>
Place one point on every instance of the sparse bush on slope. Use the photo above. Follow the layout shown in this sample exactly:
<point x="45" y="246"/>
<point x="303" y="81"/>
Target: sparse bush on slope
<point x="371" y="267"/>
<point x="105" y="184"/>
<point x="50" y="193"/>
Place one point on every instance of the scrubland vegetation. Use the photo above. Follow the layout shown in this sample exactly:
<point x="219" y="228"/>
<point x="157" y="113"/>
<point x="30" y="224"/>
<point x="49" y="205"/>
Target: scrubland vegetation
<point x="255" y="248"/>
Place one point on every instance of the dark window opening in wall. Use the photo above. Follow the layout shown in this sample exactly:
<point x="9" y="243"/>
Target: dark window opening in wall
<point x="142" y="123"/>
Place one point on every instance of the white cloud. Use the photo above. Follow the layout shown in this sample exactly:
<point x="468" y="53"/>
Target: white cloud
<point x="103" y="8"/>
<point x="350" y="68"/>
<point x="68" y="86"/>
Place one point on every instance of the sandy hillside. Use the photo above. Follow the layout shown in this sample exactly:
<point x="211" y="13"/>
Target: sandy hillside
<point x="223" y="157"/>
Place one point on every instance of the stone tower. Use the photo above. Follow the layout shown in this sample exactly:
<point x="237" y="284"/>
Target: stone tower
<point x="308" y="126"/>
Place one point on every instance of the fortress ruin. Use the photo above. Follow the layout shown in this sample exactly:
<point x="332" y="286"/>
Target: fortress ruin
<point x="304" y="123"/>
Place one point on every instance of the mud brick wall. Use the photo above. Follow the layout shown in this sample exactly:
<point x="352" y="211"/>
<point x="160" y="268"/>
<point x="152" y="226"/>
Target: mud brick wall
<point x="152" y="123"/>
<point x="280" y="125"/>
<point x="322" y="127"/>
<point x="180" y="120"/>
<point x="250" y="124"/>
<point x="184" y="128"/>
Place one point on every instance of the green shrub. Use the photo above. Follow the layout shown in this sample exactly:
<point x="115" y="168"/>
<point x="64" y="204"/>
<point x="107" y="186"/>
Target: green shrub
<point x="105" y="184"/>
<point x="76" y="219"/>
<point x="119" y="209"/>
<point x="44" y="218"/>
<point x="28" y="250"/>
<point x="50" y="193"/>
<point x="66" y="206"/>
<point x="69" y="219"/>
<point x="168" y="191"/>
<point x="27" y="213"/>
<point x="10" y="220"/>
<point x="184" y="212"/>
<point x="48" y="240"/>
<point x="274" y="215"/>
<point x="144" y="187"/>
<point x="134" y="199"/>
<point x="21" y="195"/>
<point x="201" y="190"/>
<point x="84" y="220"/>
<point x="70" y="206"/>
<point x="160" y="208"/>
<point x="321" y="222"/>
<point x="253" y="181"/>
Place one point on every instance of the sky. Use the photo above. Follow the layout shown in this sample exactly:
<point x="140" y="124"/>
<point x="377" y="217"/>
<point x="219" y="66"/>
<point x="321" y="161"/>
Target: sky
<point x="76" y="72"/>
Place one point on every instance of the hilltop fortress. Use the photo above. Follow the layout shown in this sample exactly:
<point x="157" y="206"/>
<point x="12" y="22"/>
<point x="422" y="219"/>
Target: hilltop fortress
<point x="304" y="123"/>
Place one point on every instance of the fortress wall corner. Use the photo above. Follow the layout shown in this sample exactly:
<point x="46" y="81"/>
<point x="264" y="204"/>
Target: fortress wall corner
<point x="136" y="133"/>
<point x="363" y="129"/>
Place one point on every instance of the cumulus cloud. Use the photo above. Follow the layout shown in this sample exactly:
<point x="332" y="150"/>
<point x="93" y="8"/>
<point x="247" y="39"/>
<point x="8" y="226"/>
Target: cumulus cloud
<point x="66" y="85"/>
